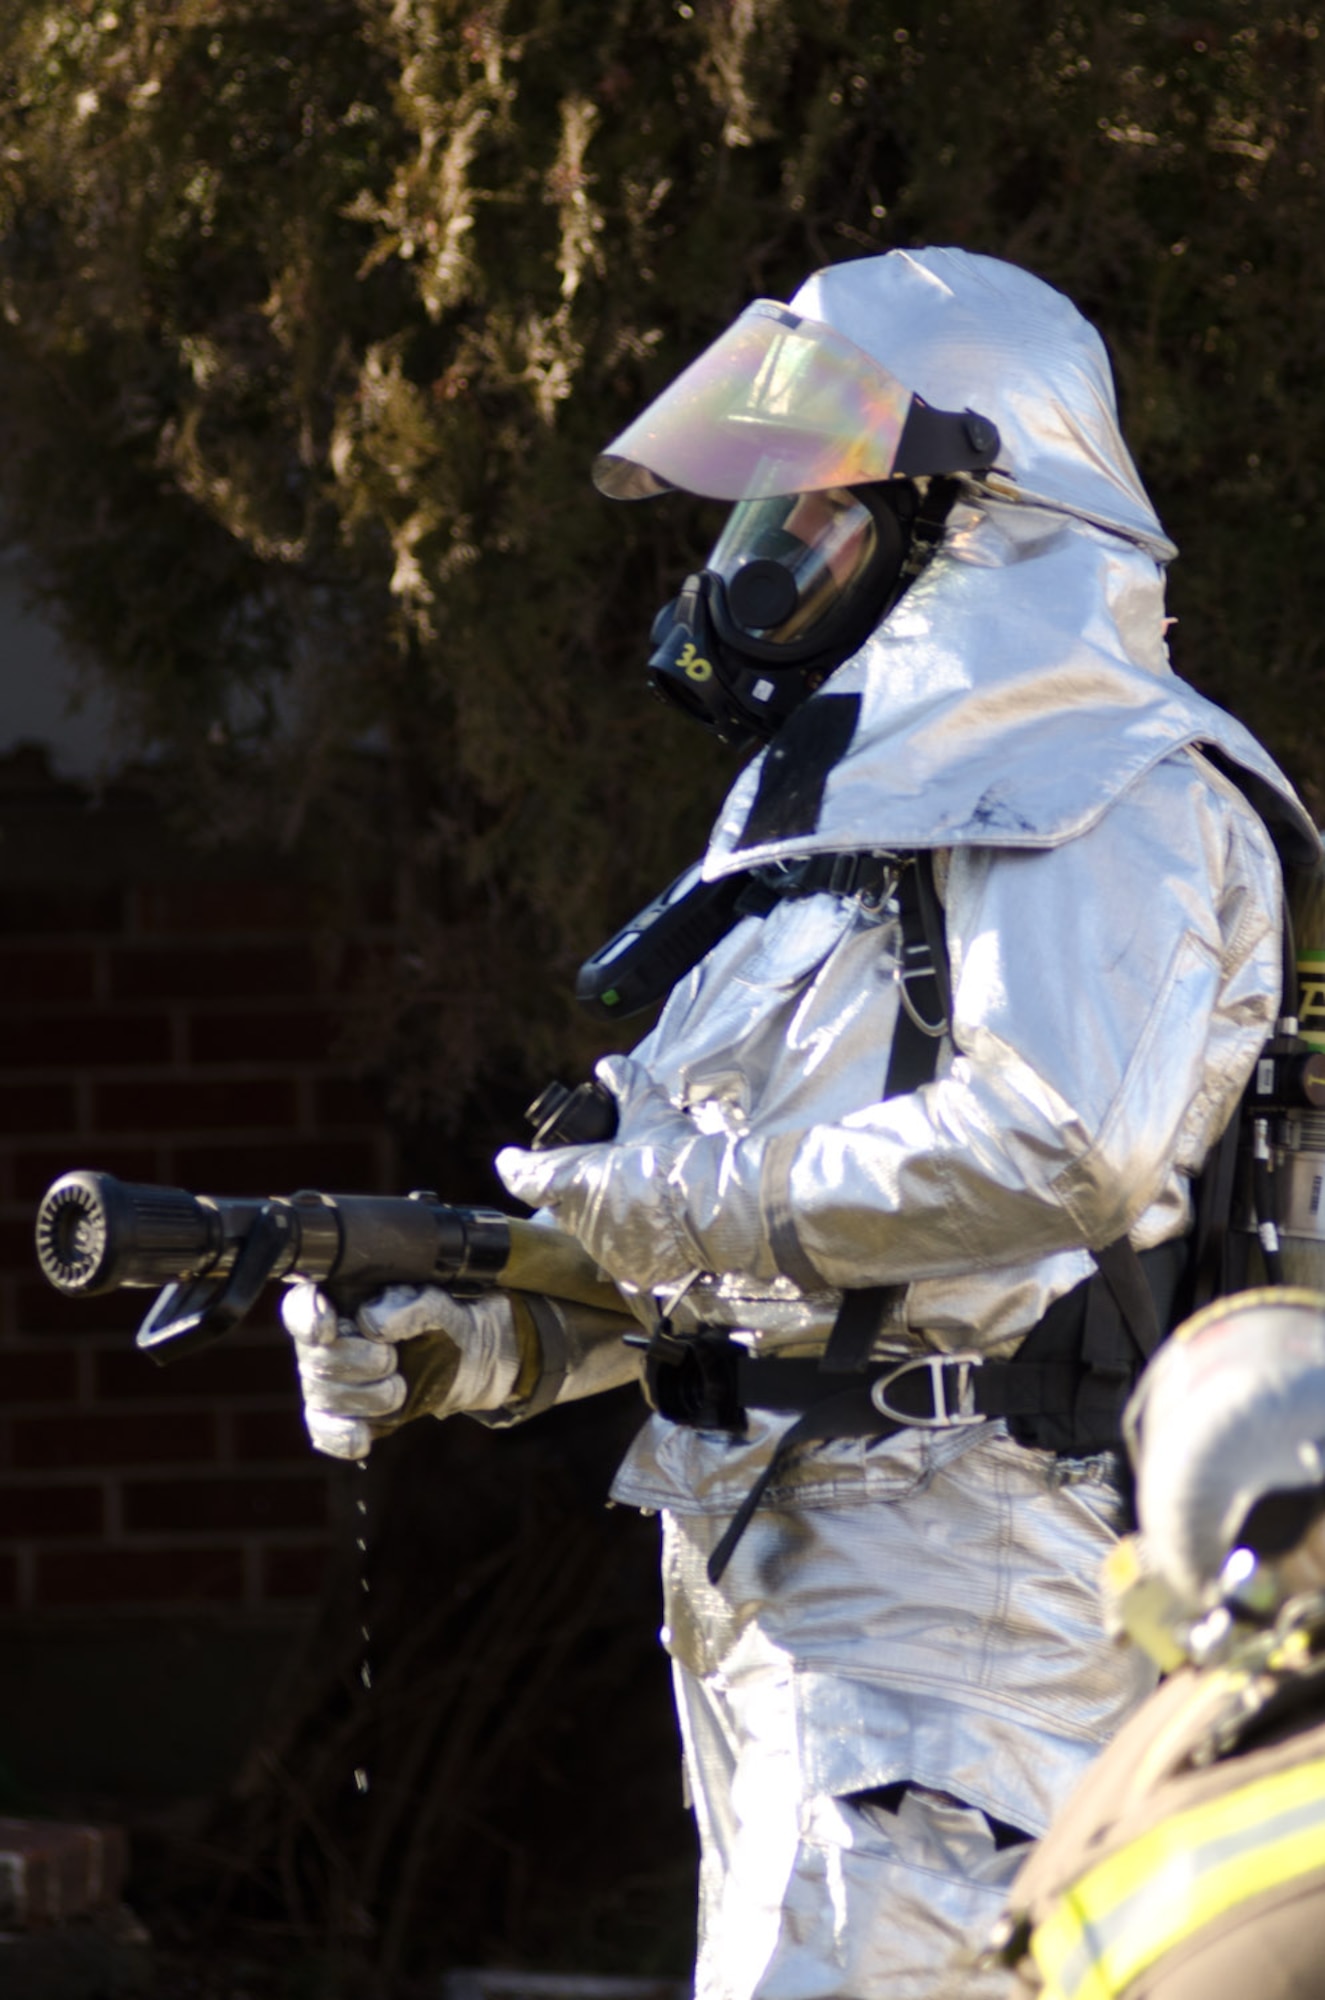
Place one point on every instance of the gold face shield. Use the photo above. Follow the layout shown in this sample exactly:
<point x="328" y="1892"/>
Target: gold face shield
<point x="780" y="404"/>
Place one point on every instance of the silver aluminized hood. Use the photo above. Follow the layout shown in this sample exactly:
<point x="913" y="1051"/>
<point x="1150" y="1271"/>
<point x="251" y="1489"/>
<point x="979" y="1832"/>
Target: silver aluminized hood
<point x="1023" y="683"/>
<point x="971" y="332"/>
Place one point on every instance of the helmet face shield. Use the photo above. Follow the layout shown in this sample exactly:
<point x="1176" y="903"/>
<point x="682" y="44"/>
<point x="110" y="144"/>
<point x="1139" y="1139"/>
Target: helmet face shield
<point x="781" y="404"/>
<point x="836" y="470"/>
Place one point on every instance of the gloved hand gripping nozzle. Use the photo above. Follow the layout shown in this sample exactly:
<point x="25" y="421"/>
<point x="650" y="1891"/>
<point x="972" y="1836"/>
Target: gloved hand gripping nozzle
<point x="213" y="1254"/>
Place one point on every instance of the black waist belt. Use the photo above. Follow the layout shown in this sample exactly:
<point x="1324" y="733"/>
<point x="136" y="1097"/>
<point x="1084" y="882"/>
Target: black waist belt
<point x="1050" y="1392"/>
<point x="712" y="1382"/>
<point x="921" y="1392"/>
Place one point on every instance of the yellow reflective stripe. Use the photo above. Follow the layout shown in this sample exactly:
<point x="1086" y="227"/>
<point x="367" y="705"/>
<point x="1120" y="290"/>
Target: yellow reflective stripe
<point x="1126" y="1913"/>
<point x="1055" y="1942"/>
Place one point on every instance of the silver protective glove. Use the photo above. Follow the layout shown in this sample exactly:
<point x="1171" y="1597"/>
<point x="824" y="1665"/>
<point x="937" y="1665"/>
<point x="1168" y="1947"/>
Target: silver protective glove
<point x="662" y="1199"/>
<point x="407" y="1352"/>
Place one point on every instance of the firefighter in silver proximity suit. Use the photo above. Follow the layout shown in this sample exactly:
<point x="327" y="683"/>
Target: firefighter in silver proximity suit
<point x="939" y="602"/>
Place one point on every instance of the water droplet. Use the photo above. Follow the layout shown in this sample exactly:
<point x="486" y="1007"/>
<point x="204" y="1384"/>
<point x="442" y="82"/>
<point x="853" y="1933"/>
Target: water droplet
<point x="365" y="1669"/>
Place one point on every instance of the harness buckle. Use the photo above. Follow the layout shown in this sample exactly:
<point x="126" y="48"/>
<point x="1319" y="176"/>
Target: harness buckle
<point x="917" y="963"/>
<point x="946" y="1416"/>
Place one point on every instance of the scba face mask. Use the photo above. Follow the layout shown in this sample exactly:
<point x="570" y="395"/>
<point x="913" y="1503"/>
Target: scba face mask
<point x="833" y="464"/>
<point x="793" y="586"/>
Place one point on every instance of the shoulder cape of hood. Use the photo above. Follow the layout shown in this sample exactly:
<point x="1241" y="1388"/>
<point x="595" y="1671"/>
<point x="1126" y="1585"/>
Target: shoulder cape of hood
<point x="1018" y="689"/>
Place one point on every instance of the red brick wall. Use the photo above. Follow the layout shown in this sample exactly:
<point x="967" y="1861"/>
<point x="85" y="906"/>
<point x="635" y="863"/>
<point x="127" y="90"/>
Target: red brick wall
<point x="180" y="1032"/>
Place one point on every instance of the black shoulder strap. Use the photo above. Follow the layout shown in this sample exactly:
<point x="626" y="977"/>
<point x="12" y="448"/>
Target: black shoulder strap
<point x="1211" y="1276"/>
<point x="924" y="982"/>
<point x="1220" y="1254"/>
<point x="1123" y="1327"/>
<point x="925" y="988"/>
<point x="1120" y="1267"/>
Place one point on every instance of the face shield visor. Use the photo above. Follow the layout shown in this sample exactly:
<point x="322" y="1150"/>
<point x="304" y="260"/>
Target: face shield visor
<point x="820" y="447"/>
<point x="780" y="404"/>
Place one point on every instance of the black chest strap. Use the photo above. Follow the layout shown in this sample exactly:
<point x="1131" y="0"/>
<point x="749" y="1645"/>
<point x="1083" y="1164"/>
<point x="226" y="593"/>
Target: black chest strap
<point x="1122" y="1329"/>
<point x="924" y="1008"/>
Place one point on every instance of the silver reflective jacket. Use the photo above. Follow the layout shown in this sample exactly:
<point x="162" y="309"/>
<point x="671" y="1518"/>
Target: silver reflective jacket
<point x="1112" y="898"/>
<point x="924" y="1608"/>
<point x="1109" y="997"/>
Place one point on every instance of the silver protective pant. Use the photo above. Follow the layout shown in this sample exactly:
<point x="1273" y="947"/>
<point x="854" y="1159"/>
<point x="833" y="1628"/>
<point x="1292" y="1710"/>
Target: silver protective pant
<point x="947" y="1636"/>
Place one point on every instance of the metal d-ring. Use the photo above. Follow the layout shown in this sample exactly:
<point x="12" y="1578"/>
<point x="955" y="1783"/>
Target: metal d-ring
<point x="901" y="975"/>
<point x="943" y="1419"/>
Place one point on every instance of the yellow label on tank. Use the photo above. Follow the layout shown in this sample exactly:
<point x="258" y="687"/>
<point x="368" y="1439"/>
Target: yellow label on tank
<point x="1311" y="997"/>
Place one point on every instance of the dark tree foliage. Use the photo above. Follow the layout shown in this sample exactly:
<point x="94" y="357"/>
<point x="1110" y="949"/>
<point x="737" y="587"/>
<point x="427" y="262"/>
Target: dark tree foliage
<point x="316" y="311"/>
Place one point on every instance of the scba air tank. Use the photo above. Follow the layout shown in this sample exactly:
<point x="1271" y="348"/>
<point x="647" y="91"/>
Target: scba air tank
<point x="1299" y="1134"/>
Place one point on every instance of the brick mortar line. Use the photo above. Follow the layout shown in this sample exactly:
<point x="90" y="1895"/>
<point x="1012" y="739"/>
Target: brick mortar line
<point x="154" y="1390"/>
<point x="183" y="1072"/>
<point x="203" y="1541"/>
<point x="150" y="1471"/>
<point x="217" y="934"/>
<point x="74" y="1340"/>
<point x="114" y="1533"/>
<point x="274" y="1472"/>
<point x="264" y="1403"/>
<point x="171" y="1472"/>
<point x="148" y="1006"/>
<point x="56" y="1478"/>
<point x="269" y="1403"/>
<point x="108" y="1341"/>
<point x="292" y="1612"/>
<point x="196" y="1135"/>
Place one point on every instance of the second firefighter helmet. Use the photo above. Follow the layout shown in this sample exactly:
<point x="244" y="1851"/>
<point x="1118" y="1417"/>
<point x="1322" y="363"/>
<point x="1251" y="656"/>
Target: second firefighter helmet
<point x="1226" y="1432"/>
